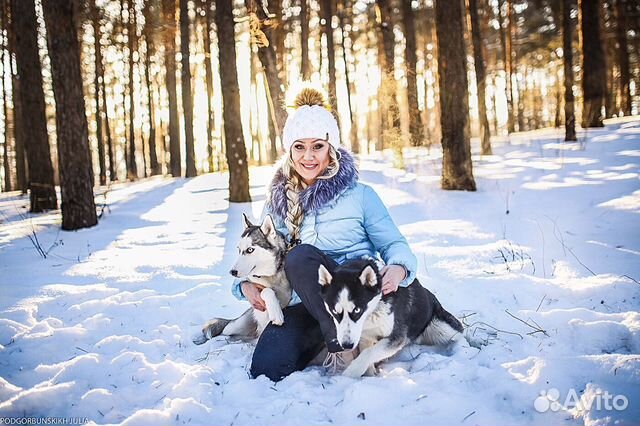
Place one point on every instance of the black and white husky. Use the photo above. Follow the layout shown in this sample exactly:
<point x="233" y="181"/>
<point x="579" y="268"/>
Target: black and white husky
<point x="380" y="326"/>
<point x="261" y="260"/>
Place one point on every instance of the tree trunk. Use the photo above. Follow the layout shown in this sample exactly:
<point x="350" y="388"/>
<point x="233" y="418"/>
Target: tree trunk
<point x="18" y="131"/>
<point x="113" y="175"/>
<point x="353" y="136"/>
<point x="416" y="127"/>
<point x="209" y="79"/>
<point x="457" y="172"/>
<point x="392" y="134"/>
<point x="33" y="118"/>
<point x="149" y="25"/>
<point x="235" y="146"/>
<point x="187" y="101"/>
<point x="567" y="47"/>
<point x="279" y="35"/>
<point x="169" y="14"/>
<point x="96" y="82"/>
<point x="78" y="207"/>
<point x="5" y="152"/>
<point x="276" y="101"/>
<point x="326" y="9"/>
<point x="132" y="36"/>
<point x="478" y="61"/>
<point x="594" y="72"/>
<point x="505" y="42"/>
<point x="304" y="40"/>
<point x="623" y="56"/>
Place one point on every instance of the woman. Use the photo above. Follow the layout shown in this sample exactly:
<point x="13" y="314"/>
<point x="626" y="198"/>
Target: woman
<point x="329" y="217"/>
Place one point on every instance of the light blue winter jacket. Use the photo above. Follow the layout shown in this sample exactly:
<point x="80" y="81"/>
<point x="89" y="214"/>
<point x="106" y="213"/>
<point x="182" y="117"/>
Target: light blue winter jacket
<point x="345" y="219"/>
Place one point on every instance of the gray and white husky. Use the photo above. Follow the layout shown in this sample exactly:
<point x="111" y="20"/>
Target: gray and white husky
<point x="380" y="326"/>
<point x="261" y="260"/>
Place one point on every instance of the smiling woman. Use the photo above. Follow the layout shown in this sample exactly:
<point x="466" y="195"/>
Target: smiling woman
<point x="328" y="217"/>
<point x="310" y="158"/>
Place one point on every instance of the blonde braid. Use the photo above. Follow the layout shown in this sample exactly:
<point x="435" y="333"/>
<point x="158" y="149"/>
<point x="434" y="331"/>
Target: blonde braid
<point x="295" y="215"/>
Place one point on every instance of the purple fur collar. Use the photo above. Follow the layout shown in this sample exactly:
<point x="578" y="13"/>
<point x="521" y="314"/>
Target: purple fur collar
<point x="317" y="195"/>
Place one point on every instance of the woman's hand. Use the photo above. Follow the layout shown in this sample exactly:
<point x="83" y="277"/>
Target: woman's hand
<point x="252" y="292"/>
<point x="391" y="277"/>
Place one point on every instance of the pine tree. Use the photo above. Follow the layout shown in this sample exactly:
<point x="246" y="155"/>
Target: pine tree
<point x="32" y="118"/>
<point x="457" y="171"/>
<point x="76" y="175"/>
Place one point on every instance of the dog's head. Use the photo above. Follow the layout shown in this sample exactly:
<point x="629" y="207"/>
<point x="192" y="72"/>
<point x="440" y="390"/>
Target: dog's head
<point x="351" y="293"/>
<point x="261" y="250"/>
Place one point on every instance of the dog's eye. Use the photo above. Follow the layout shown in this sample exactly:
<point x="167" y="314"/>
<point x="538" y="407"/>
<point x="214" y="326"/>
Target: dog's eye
<point x="250" y="250"/>
<point x="357" y="310"/>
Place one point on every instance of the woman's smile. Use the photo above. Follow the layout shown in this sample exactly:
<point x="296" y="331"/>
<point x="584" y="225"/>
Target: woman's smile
<point x="310" y="158"/>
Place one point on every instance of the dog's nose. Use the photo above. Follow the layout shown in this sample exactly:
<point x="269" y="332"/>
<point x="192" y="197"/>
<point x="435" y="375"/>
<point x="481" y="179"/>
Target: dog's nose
<point x="347" y="346"/>
<point x="234" y="272"/>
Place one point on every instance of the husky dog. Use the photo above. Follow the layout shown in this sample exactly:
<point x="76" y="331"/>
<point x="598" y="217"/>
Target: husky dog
<point x="262" y="250"/>
<point x="378" y="325"/>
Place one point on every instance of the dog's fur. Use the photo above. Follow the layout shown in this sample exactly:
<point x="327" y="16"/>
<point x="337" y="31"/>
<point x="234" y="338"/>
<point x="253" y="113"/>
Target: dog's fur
<point x="262" y="250"/>
<point x="380" y="326"/>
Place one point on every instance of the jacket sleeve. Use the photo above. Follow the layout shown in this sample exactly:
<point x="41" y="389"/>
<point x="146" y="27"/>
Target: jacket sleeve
<point x="386" y="237"/>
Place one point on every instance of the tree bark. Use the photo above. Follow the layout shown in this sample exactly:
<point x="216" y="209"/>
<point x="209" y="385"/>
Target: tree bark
<point x="132" y="36"/>
<point x="34" y="122"/>
<point x="478" y="61"/>
<point x="187" y="101"/>
<point x="209" y="79"/>
<point x="623" y="56"/>
<point x="416" y="128"/>
<point x="593" y="66"/>
<point x="5" y="152"/>
<point x="98" y="75"/>
<point x="150" y="22"/>
<point x="326" y="9"/>
<point x="353" y="136"/>
<point x="235" y="146"/>
<point x="169" y="14"/>
<point x="18" y="131"/>
<point x="457" y="171"/>
<point x="113" y="175"/>
<point x="276" y="101"/>
<point x="505" y="42"/>
<point x="567" y="48"/>
<point x="76" y="176"/>
<point x="304" y="40"/>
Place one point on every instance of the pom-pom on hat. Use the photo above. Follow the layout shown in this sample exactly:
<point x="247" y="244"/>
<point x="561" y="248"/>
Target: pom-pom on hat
<point x="310" y="119"/>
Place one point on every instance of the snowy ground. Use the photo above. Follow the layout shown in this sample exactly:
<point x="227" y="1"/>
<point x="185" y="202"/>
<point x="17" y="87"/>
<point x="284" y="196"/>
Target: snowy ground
<point x="543" y="262"/>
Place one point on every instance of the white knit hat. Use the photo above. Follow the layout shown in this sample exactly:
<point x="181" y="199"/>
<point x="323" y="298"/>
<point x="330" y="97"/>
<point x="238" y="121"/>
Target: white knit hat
<point x="310" y="121"/>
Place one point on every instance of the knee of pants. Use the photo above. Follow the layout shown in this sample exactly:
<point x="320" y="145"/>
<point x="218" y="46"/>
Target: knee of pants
<point x="297" y="260"/>
<point x="298" y="255"/>
<point x="273" y="367"/>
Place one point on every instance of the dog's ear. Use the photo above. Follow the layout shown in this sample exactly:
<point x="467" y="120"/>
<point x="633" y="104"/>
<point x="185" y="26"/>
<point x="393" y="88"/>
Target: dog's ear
<point x="368" y="277"/>
<point x="324" y="277"/>
<point x="245" y="221"/>
<point x="267" y="227"/>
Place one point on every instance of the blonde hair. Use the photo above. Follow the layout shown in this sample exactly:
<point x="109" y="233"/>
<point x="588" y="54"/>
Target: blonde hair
<point x="295" y="184"/>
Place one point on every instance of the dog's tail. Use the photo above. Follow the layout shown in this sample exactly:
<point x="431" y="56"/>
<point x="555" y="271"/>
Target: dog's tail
<point x="443" y="329"/>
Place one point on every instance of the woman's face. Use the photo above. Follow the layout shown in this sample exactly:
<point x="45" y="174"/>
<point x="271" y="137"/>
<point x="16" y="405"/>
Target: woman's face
<point x="310" y="158"/>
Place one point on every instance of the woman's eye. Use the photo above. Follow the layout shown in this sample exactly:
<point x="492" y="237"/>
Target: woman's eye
<point x="299" y="147"/>
<point x="250" y="250"/>
<point x="318" y="147"/>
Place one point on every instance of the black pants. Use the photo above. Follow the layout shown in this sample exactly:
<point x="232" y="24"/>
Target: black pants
<point x="281" y="350"/>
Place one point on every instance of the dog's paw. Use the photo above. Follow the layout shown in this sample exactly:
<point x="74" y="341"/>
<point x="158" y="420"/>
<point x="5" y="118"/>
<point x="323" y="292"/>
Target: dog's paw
<point x="276" y="318"/>
<point x="353" y="371"/>
<point x="199" y="338"/>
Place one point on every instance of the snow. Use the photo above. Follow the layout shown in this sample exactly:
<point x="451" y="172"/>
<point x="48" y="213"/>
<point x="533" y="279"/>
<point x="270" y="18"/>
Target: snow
<point x="542" y="263"/>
